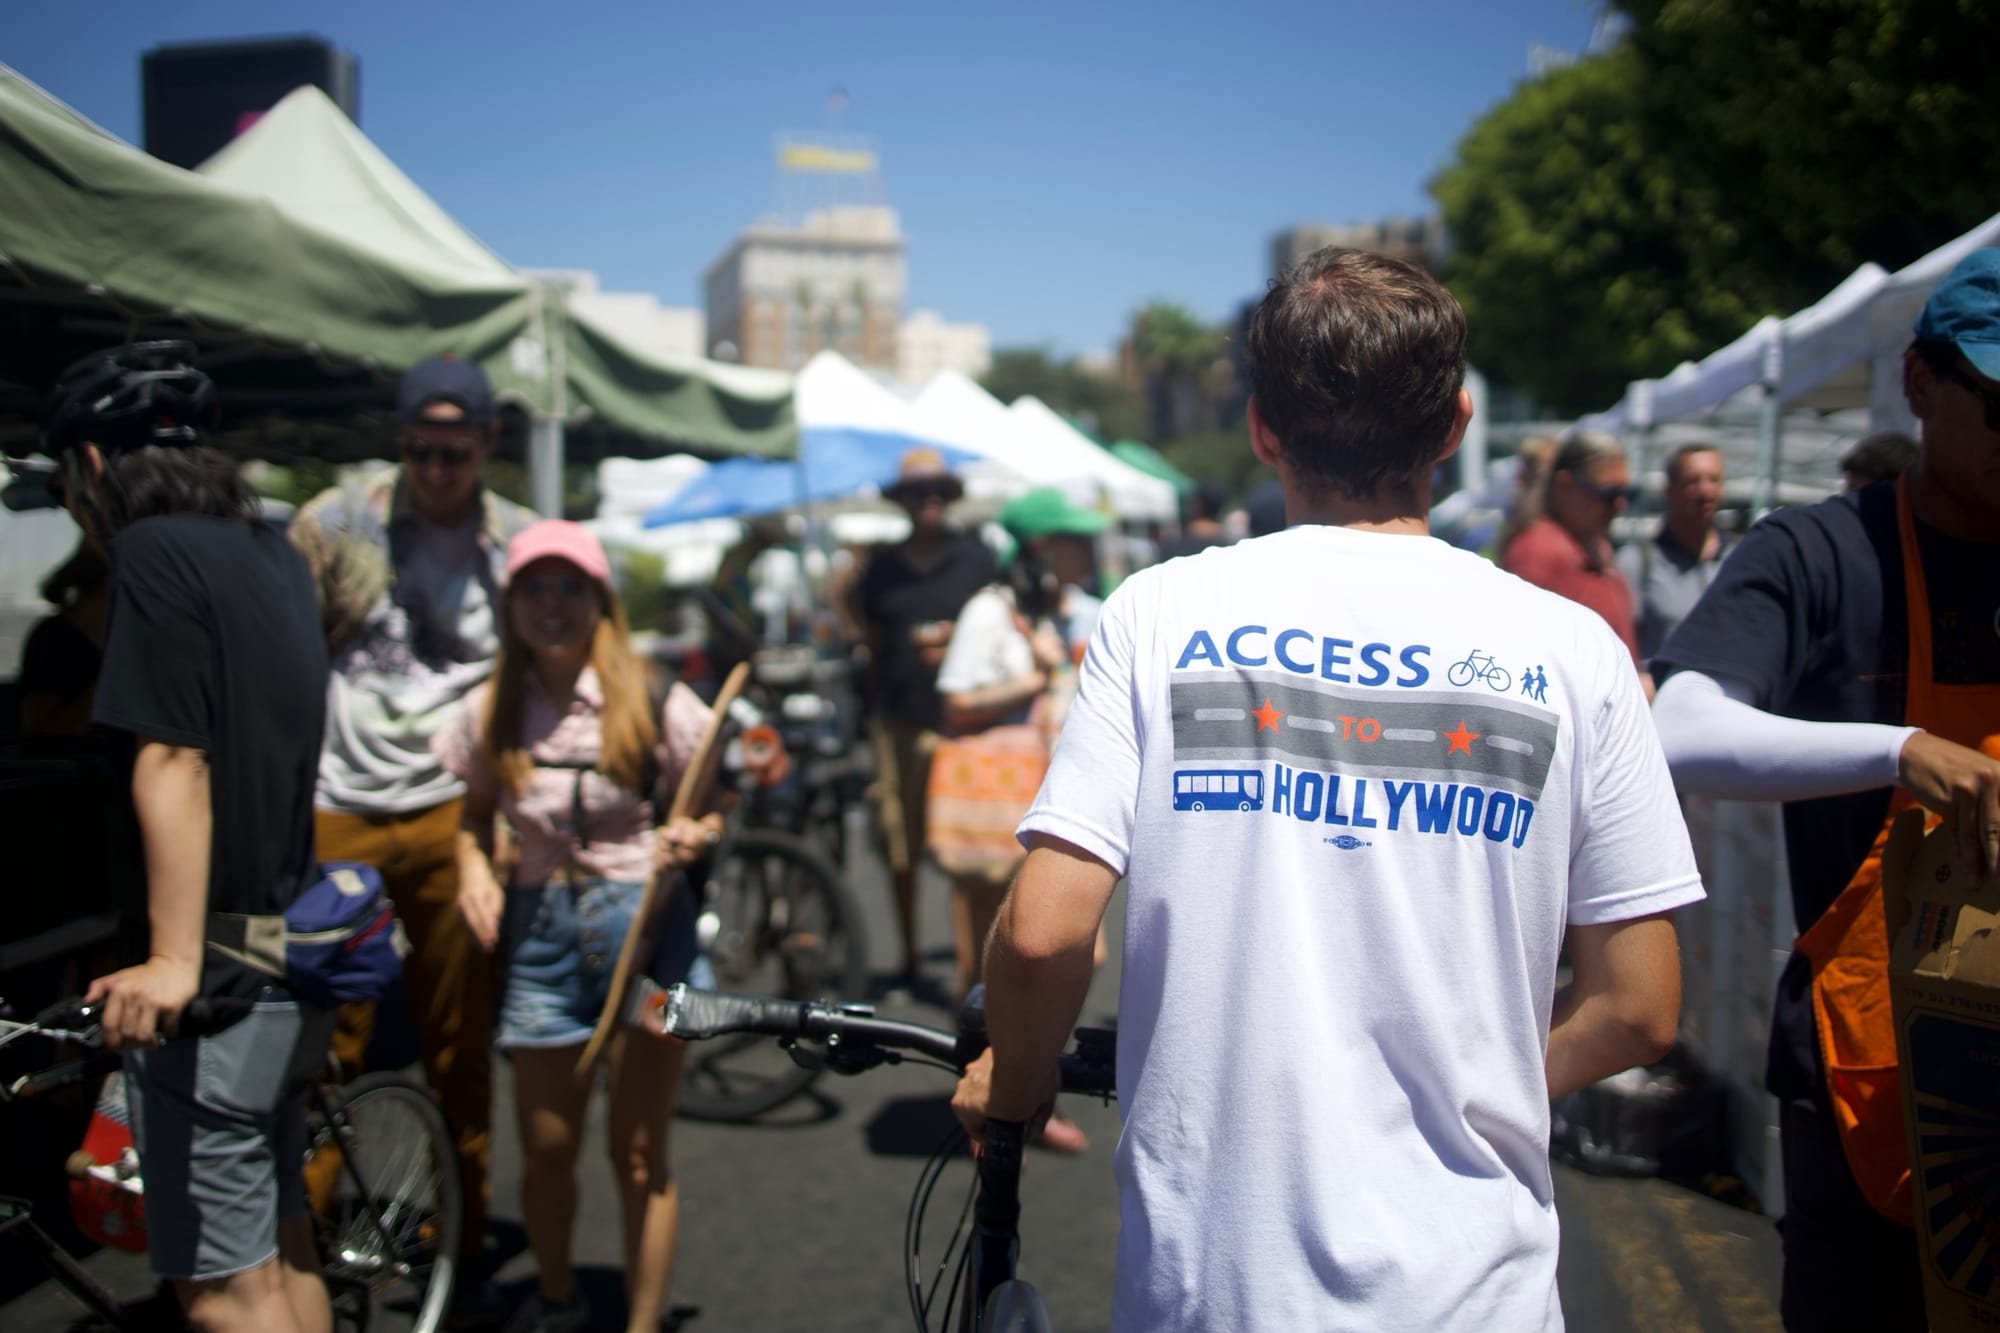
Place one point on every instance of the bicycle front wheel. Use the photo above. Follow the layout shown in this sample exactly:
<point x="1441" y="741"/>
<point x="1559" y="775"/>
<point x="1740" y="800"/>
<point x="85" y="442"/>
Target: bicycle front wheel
<point x="781" y="924"/>
<point x="390" y="1230"/>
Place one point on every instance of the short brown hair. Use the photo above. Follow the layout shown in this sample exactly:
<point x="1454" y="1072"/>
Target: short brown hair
<point x="1356" y="363"/>
<point x="1685" y="452"/>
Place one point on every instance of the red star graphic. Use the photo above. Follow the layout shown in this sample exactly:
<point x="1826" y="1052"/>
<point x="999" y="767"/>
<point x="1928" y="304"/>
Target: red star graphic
<point x="1267" y="717"/>
<point x="1460" y="740"/>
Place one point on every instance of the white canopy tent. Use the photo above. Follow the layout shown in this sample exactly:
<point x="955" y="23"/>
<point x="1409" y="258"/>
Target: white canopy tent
<point x="1843" y="352"/>
<point x="1030" y="445"/>
<point x="1048" y="446"/>
<point x="954" y="410"/>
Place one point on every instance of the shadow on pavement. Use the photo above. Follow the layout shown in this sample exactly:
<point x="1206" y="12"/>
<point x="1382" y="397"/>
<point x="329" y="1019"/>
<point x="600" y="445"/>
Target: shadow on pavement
<point x="911" y="1126"/>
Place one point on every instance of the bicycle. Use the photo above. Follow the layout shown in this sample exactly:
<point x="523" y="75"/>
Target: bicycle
<point x="389" y="1233"/>
<point x="850" y="1039"/>
<point x="773" y="917"/>
<point x="1480" y="666"/>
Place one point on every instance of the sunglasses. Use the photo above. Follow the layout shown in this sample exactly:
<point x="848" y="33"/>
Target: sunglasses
<point x="923" y="493"/>
<point x="563" y="585"/>
<point x="1990" y="398"/>
<point x="451" y="455"/>
<point x="1610" y="495"/>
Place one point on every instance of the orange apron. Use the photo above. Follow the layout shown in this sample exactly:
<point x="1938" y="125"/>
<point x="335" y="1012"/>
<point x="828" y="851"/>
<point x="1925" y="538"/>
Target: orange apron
<point x="1849" y="945"/>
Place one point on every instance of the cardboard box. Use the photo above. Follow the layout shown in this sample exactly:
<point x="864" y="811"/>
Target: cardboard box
<point x="1944" y="984"/>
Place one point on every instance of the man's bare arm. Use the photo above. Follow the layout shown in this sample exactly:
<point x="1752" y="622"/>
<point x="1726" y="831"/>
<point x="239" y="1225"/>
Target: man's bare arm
<point x="1038" y="967"/>
<point x="1623" y="1005"/>
<point x="170" y="791"/>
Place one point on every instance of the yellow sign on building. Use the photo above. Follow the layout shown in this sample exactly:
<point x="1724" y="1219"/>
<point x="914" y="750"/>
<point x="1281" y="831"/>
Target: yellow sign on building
<point x="826" y="158"/>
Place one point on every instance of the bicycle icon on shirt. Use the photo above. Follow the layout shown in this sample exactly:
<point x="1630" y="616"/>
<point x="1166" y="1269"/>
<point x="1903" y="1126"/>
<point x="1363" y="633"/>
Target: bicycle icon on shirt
<point x="1480" y="666"/>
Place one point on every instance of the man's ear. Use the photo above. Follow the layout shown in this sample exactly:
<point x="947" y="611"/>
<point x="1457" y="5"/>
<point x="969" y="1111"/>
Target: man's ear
<point x="1461" y="417"/>
<point x="1263" y="443"/>
<point x="1919" y="384"/>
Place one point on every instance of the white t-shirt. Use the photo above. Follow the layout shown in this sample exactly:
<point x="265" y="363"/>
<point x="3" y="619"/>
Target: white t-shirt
<point x="1358" y="784"/>
<point x="987" y="647"/>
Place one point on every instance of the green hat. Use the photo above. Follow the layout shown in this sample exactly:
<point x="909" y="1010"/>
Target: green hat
<point x="1047" y="512"/>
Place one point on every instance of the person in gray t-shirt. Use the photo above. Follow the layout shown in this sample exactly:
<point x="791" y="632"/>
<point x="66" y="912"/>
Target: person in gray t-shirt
<point x="1669" y="571"/>
<point x="408" y="565"/>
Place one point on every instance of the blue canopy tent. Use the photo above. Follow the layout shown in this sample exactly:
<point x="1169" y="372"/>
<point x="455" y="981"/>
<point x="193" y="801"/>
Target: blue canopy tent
<point x="835" y="463"/>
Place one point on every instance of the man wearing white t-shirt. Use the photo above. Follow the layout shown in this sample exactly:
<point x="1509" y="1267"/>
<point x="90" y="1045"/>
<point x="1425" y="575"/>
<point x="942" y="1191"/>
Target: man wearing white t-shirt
<point x="1362" y="786"/>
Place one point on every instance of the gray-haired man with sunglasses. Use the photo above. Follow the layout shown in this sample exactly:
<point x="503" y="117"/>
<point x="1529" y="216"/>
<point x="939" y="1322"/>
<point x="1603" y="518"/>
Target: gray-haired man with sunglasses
<point x="409" y="564"/>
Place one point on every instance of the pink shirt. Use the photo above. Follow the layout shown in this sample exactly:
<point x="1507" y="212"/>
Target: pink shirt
<point x="619" y="821"/>
<point x="1546" y="555"/>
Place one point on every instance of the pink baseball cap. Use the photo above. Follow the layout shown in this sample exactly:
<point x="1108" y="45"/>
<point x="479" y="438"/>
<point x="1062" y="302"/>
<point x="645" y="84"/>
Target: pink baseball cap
<point x="558" y="539"/>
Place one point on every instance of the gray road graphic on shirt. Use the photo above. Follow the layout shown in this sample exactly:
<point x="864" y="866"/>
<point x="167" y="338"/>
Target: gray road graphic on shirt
<point x="1409" y="735"/>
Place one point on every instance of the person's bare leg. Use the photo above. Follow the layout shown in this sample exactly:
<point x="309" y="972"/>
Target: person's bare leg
<point x="253" y="1301"/>
<point x="298" y="1270"/>
<point x="645" y="1075"/>
<point x="548" y="1104"/>
<point x="975" y="906"/>
<point x="906" y="918"/>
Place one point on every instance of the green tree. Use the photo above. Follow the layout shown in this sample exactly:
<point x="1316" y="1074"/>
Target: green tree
<point x="1582" y="257"/>
<point x="1839" y="130"/>
<point x="1186" y="371"/>
<point x="1104" y="404"/>
<point x="1725" y="160"/>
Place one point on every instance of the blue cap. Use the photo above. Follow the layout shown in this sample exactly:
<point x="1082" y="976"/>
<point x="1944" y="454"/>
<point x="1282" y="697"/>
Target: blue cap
<point x="445" y="379"/>
<point x="1964" y="310"/>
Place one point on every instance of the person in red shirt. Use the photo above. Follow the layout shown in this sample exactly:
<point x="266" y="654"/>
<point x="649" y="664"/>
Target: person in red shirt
<point x="1568" y="549"/>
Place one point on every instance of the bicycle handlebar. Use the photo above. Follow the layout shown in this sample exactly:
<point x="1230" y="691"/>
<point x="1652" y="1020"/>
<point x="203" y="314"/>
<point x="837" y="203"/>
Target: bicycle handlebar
<point x="857" y="1033"/>
<point x="204" y="1016"/>
<point x="697" y="1015"/>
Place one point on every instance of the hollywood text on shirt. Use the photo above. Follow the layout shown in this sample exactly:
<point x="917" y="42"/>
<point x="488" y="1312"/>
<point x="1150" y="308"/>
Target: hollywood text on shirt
<point x="1359" y="736"/>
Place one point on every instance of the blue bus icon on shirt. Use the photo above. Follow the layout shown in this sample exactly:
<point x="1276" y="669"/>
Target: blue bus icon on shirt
<point x="1218" y="789"/>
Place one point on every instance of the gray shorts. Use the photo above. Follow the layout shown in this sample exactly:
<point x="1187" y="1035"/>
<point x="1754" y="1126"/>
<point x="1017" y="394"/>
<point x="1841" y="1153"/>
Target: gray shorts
<point x="220" y="1125"/>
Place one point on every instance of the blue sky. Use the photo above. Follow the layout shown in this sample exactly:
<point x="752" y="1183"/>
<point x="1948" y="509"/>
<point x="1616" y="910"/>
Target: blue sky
<point x="1055" y="165"/>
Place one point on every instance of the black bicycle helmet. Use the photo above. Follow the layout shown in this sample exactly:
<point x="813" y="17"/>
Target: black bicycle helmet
<point x="129" y="397"/>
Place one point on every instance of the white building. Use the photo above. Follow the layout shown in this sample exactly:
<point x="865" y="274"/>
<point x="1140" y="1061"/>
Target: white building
<point x="926" y="344"/>
<point x="780" y="293"/>
<point x="635" y="317"/>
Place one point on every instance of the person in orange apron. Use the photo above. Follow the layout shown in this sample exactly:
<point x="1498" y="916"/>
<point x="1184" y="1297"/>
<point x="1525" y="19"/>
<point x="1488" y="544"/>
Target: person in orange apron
<point x="1847" y="662"/>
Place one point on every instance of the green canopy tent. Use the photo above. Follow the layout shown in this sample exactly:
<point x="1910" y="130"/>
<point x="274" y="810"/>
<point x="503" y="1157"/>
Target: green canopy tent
<point x="1151" y="462"/>
<point x="307" y="320"/>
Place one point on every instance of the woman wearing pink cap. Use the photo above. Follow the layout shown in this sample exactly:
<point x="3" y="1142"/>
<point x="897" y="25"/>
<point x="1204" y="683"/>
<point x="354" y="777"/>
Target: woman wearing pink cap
<point x="563" y="742"/>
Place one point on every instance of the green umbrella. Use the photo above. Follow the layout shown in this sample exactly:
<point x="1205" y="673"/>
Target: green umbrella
<point x="1153" y="463"/>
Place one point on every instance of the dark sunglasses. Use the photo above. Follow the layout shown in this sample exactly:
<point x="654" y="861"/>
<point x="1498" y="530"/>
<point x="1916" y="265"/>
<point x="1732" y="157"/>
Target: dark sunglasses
<point x="1957" y="374"/>
<point x="565" y="585"/>
<point x="451" y="455"/>
<point x="1610" y="495"/>
<point x="924" y="492"/>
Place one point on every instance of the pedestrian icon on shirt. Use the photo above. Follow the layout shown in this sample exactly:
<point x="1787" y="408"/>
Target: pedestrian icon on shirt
<point x="1535" y="684"/>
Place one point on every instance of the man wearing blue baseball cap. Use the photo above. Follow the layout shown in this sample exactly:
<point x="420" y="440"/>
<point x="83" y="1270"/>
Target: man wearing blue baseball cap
<point x="1847" y="662"/>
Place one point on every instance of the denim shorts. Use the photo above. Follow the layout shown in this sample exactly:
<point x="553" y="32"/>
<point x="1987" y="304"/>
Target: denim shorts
<point x="220" y="1125"/>
<point x="562" y="946"/>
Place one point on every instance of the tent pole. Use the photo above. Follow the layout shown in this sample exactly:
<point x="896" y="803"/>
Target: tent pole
<point x="1769" y="428"/>
<point x="545" y="431"/>
<point x="545" y="465"/>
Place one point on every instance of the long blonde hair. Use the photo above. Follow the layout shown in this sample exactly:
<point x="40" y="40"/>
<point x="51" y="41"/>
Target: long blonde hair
<point x="627" y="729"/>
<point x="1530" y="489"/>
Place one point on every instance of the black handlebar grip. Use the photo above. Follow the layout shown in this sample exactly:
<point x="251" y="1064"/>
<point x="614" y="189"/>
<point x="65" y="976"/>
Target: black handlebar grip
<point x="998" y="1210"/>
<point x="698" y="1014"/>
<point x="71" y="1015"/>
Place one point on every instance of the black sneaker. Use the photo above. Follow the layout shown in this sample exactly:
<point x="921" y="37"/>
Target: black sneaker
<point x="541" y="1315"/>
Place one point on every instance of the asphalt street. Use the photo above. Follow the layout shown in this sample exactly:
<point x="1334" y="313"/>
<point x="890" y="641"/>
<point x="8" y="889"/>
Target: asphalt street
<point x="796" y="1224"/>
